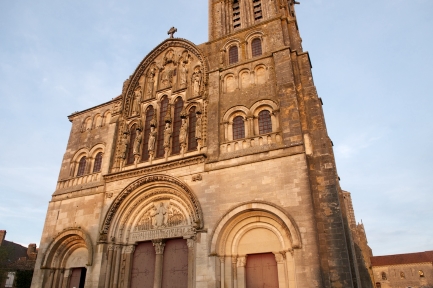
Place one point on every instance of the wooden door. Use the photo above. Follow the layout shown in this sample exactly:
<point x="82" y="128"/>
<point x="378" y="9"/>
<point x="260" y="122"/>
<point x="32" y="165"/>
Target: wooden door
<point x="143" y="266"/>
<point x="261" y="271"/>
<point x="78" y="278"/>
<point x="175" y="267"/>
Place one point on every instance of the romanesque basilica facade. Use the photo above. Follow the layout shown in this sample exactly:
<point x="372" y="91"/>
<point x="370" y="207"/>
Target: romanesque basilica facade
<point x="213" y="168"/>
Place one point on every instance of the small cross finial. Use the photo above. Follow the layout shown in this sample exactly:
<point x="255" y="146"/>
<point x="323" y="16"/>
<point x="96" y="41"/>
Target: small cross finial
<point x="172" y="31"/>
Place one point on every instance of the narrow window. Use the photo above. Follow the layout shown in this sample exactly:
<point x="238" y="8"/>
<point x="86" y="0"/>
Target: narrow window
<point x="98" y="163"/>
<point x="238" y="128"/>
<point x="383" y="276"/>
<point x="256" y="47"/>
<point x="133" y="133"/>
<point x="257" y="4"/>
<point x="233" y="55"/>
<point x="402" y="276"/>
<point x="265" y="123"/>
<point x="421" y="273"/>
<point x="177" y="122"/>
<point x="161" y="125"/>
<point x="192" y="142"/>
<point x="149" y="116"/>
<point x="236" y="14"/>
<point x="81" y="166"/>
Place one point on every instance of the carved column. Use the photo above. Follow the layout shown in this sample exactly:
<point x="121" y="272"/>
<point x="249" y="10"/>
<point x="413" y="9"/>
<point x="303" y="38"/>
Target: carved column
<point x="222" y="273"/>
<point x="159" y="250"/>
<point x="234" y="273"/>
<point x="191" y="261"/>
<point x="109" y="263"/>
<point x="67" y="276"/>
<point x="250" y="126"/>
<point x="241" y="280"/>
<point x="57" y="275"/>
<point x="50" y="278"/>
<point x="118" y="252"/>
<point x="280" y="258"/>
<point x="61" y="276"/>
<point x="126" y="270"/>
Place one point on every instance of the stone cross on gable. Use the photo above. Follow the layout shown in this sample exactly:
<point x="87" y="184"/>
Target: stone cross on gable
<point x="172" y="31"/>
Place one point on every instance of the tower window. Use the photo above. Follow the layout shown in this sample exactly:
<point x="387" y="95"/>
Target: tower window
<point x="236" y="14"/>
<point x="161" y="125"/>
<point x="98" y="163"/>
<point x="256" y="47"/>
<point x="238" y="128"/>
<point x="233" y="55"/>
<point x="265" y="123"/>
<point x="177" y="122"/>
<point x="257" y="6"/>
<point x="133" y="134"/>
<point x="149" y="116"/>
<point x="192" y="142"/>
<point x="81" y="166"/>
<point x="383" y="276"/>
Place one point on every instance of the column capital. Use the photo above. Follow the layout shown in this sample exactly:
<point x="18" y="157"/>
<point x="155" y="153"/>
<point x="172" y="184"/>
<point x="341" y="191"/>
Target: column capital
<point x="190" y="242"/>
<point x="241" y="261"/>
<point x="129" y="249"/>
<point x="159" y="246"/>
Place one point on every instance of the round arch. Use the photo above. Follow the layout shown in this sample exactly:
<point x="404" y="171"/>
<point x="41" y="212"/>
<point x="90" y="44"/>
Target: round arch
<point x="140" y="196"/>
<point x="254" y="215"/>
<point x="63" y="245"/>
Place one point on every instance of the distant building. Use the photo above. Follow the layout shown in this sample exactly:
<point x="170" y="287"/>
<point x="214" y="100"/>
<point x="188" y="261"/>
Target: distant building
<point x="414" y="270"/>
<point x="13" y="258"/>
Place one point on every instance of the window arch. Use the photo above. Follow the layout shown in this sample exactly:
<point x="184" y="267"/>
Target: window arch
<point x="177" y="122"/>
<point x="98" y="163"/>
<point x="192" y="142"/>
<point x="238" y="128"/>
<point x="81" y="166"/>
<point x="161" y="125"/>
<point x="150" y="112"/>
<point x="233" y="54"/>
<point x="265" y="122"/>
<point x="256" y="47"/>
<point x="133" y="134"/>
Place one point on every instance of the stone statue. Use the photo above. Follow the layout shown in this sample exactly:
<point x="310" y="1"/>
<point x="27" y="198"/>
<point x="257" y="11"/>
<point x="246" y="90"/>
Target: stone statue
<point x="152" y="139"/>
<point x="159" y="216"/>
<point x="150" y="83"/>
<point x="137" y="143"/>
<point x="183" y="75"/>
<point x="167" y="134"/>
<point x="166" y="78"/>
<point x="183" y="131"/>
<point x="136" y="103"/>
<point x="196" y="81"/>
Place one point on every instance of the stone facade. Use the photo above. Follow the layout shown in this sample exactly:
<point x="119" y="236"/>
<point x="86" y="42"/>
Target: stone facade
<point x="413" y="270"/>
<point x="222" y="145"/>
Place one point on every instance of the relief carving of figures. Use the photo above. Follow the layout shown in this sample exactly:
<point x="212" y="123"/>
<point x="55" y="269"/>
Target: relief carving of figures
<point x="183" y="75"/>
<point x="150" y="83"/>
<point x="136" y="103"/>
<point x="198" y="130"/>
<point x="159" y="216"/>
<point x="137" y="146"/>
<point x="117" y="106"/>
<point x="152" y="139"/>
<point x="166" y="78"/>
<point x="196" y="81"/>
<point x="183" y="135"/>
<point x="123" y="148"/>
<point x="167" y="134"/>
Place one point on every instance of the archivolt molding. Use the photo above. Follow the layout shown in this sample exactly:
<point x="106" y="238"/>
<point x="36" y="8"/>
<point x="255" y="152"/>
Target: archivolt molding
<point x="150" y="188"/>
<point x="150" y="59"/>
<point x="254" y="209"/>
<point x="62" y="246"/>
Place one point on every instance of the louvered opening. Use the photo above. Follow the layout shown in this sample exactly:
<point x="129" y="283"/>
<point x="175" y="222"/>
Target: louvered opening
<point x="236" y="14"/>
<point x="257" y="4"/>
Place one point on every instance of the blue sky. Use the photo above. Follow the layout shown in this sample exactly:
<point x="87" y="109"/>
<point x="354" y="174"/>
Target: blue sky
<point x="372" y="65"/>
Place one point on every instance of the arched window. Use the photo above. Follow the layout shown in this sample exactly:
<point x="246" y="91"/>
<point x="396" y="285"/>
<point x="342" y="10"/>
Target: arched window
<point x="383" y="276"/>
<point x="238" y="128"/>
<point x="133" y="133"/>
<point x="378" y="285"/>
<point x="149" y="116"/>
<point x="161" y="125"/>
<point x="256" y="47"/>
<point x="98" y="163"/>
<point x="265" y="123"/>
<point x="233" y="55"/>
<point x="402" y="276"/>
<point x="192" y="142"/>
<point x="81" y="166"/>
<point x="177" y="122"/>
<point x="421" y="273"/>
